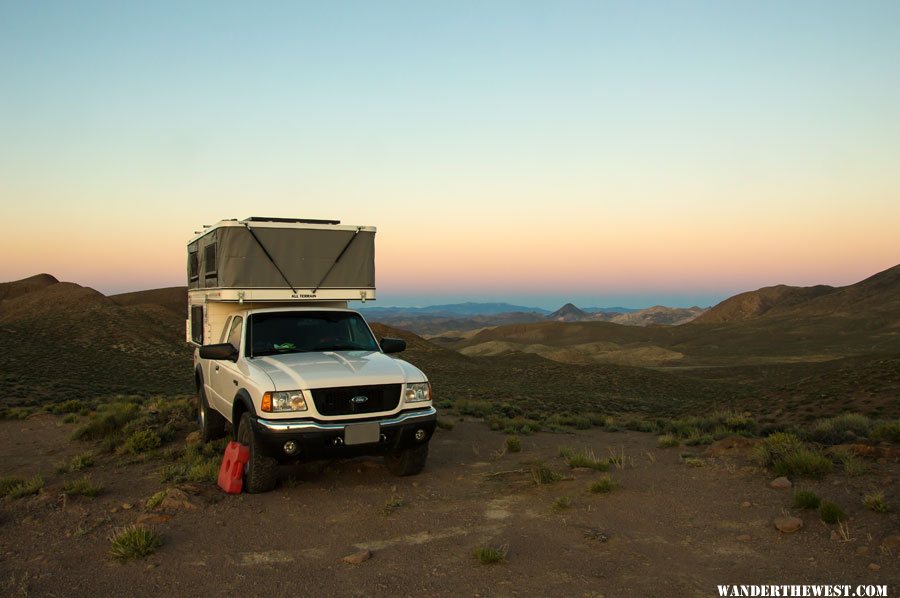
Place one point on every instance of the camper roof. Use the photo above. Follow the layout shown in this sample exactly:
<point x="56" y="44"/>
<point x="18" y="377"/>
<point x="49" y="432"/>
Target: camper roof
<point x="272" y="222"/>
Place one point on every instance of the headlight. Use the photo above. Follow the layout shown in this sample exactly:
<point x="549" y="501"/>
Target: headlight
<point x="420" y="391"/>
<point x="291" y="400"/>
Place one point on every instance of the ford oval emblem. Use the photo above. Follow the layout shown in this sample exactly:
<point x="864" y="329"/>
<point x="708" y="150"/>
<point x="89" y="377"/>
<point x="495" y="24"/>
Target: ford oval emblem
<point x="359" y="400"/>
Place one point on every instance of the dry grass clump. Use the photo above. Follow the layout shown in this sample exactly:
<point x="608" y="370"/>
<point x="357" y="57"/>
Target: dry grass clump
<point x="134" y="542"/>
<point x="585" y="458"/>
<point x="16" y="487"/>
<point x="806" y="499"/>
<point x="604" y="485"/>
<point x="831" y="513"/>
<point x="541" y="475"/>
<point x="876" y="502"/>
<point x="82" y="487"/>
<point x="489" y="555"/>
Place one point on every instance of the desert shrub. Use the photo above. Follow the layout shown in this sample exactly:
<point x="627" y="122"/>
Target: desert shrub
<point x="77" y="463"/>
<point x="108" y="423"/>
<point x="391" y="505"/>
<point x="488" y="555"/>
<point x="640" y="425"/>
<point x="70" y="419"/>
<point x="82" y="487"/>
<point x="198" y="463"/>
<point x="513" y="444"/>
<point x="444" y="424"/>
<point x="604" y="485"/>
<point x="831" y="513"/>
<point x="541" y="474"/>
<point x="875" y="502"/>
<point x="141" y="442"/>
<point x="585" y="458"/>
<point x="666" y="441"/>
<point x="155" y="500"/>
<point x="70" y="406"/>
<point x="7" y="483"/>
<point x="16" y="412"/>
<point x="516" y="425"/>
<point x="840" y="429"/>
<point x="853" y="465"/>
<point x="806" y="499"/>
<point x="562" y="503"/>
<point x="597" y="419"/>
<point x="776" y="447"/>
<point x="18" y="487"/>
<point x="803" y="462"/>
<point x="697" y="439"/>
<point x="887" y="430"/>
<point x="473" y="407"/>
<point x="134" y="542"/>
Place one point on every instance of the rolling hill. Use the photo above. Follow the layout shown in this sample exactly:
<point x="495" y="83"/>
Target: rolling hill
<point x="61" y="340"/>
<point x="879" y="293"/>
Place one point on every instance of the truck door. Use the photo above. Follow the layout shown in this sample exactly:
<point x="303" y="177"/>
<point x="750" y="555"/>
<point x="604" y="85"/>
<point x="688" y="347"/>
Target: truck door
<point x="223" y="374"/>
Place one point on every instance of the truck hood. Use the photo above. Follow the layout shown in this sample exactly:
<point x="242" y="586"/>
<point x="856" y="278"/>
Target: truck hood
<point x="300" y="371"/>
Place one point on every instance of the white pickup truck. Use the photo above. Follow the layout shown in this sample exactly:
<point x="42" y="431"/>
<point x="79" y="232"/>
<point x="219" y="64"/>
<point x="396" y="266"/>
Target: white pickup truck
<point x="299" y="376"/>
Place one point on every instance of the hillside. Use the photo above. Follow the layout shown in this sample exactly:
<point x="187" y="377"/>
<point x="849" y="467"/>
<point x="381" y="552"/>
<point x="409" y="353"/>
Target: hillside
<point x="11" y="290"/>
<point x="171" y="298"/>
<point x="878" y="293"/>
<point x="61" y="340"/>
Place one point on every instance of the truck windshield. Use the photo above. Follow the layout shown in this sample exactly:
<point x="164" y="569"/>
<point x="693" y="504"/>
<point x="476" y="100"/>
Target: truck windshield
<point x="302" y="331"/>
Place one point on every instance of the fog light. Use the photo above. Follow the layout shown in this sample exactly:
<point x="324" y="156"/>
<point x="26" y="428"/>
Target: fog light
<point x="420" y="434"/>
<point x="290" y="447"/>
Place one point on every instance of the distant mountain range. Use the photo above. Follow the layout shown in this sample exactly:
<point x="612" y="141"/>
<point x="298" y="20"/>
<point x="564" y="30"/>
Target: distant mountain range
<point x="468" y="308"/>
<point x="459" y="318"/>
<point x="792" y="352"/>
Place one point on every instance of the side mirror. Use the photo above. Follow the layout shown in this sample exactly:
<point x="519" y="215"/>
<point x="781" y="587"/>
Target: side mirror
<point x="220" y="352"/>
<point x="392" y="345"/>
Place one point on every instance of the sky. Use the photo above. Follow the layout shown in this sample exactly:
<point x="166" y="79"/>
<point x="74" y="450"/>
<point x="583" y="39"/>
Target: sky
<point x="606" y="153"/>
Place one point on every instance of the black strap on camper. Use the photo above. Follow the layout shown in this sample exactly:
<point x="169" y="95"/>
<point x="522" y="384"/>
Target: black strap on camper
<point x="268" y="255"/>
<point x="338" y="258"/>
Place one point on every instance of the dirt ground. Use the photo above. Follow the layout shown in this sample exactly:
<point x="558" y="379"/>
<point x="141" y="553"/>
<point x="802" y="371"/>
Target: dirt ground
<point x="670" y="529"/>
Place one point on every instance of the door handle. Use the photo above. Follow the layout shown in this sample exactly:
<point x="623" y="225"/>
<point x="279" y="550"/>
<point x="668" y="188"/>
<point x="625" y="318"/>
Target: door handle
<point x="217" y="368"/>
<point x="235" y="382"/>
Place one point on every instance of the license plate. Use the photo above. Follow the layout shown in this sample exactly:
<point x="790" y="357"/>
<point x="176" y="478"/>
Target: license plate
<point x="362" y="433"/>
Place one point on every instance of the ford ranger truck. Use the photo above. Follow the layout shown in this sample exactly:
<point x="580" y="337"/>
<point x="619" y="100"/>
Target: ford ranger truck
<point x="307" y="383"/>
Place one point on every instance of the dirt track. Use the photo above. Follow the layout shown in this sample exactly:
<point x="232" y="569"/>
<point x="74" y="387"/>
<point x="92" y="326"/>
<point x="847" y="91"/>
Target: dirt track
<point x="669" y="530"/>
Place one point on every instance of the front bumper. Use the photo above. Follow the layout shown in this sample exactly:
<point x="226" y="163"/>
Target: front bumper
<point x="324" y="440"/>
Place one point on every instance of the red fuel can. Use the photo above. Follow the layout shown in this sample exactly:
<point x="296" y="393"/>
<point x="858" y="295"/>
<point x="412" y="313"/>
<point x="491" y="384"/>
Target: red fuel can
<point x="231" y="473"/>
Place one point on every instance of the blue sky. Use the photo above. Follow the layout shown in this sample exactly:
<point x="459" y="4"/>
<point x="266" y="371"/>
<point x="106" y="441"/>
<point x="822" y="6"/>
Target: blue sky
<point x="611" y="152"/>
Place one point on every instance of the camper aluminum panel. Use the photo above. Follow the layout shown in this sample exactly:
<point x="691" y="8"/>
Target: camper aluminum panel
<point x="280" y="261"/>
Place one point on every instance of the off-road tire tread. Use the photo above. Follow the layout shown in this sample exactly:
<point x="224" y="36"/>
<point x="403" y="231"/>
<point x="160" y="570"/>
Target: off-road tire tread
<point x="215" y="422"/>
<point x="408" y="461"/>
<point x="262" y="472"/>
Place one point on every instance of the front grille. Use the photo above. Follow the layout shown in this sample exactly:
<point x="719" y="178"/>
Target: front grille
<point x="339" y="401"/>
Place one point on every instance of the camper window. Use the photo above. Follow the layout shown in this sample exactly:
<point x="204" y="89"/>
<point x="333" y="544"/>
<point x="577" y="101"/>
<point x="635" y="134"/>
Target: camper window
<point x="193" y="265"/>
<point x="197" y="324"/>
<point x="209" y="260"/>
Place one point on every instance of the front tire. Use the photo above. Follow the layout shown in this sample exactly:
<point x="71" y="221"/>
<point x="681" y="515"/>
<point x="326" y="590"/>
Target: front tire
<point x="212" y="424"/>
<point x="407" y="461"/>
<point x="261" y="471"/>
